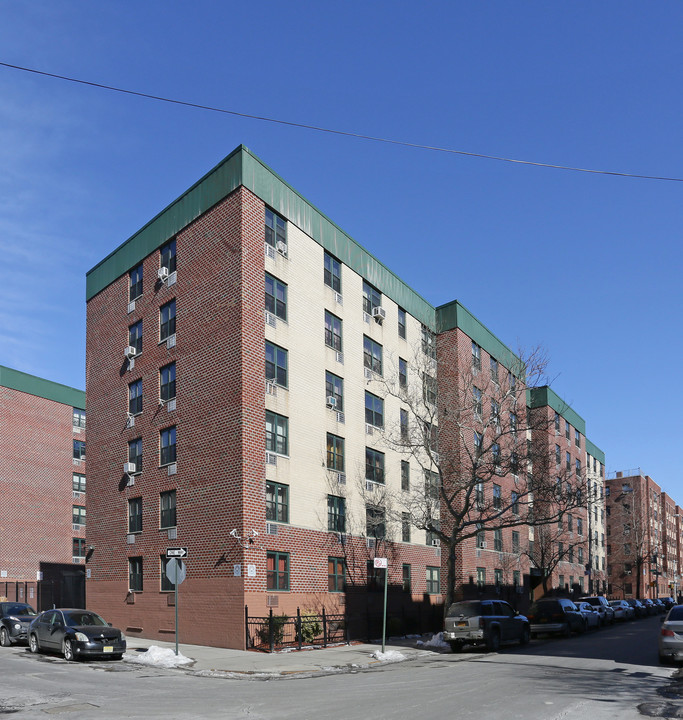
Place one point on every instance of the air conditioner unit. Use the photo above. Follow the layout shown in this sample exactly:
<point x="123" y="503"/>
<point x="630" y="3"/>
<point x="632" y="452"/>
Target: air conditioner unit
<point x="270" y="252"/>
<point x="340" y="417"/>
<point x="271" y="529"/>
<point x="271" y="459"/>
<point x="369" y="429"/>
<point x="379" y="313"/>
<point x="436" y="542"/>
<point x="281" y="247"/>
<point x="331" y="401"/>
<point x="338" y="298"/>
<point x="341" y="478"/>
<point x="340" y="357"/>
<point x="370" y="542"/>
<point x="130" y="352"/>
<point x="271" y="387"/>
<point x="130" y="419"/>
<point x="341" y="537"/>
<point x="483" y="545"/>
<point x="368" y="374"/>
<point x="163" y="273"/>
<point x="129" y="468"/>
<point x="370" y="485"/>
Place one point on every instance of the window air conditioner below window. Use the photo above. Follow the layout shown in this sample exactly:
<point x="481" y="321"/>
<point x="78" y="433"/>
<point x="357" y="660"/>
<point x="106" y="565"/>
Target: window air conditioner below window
<point x="271" y="529"/>
<point x="368" y="374"/>
<point x="341" y="478"/>
<point x="483" y="545"/>
<point x="436" y="542"/>
<point x="130" y="352"/>
<point x="281" y="247"/>
<point x="370" y="485"/>
<point x="163" y="273"/>
<point x="370" y="542"/>
<point x="369" y="429"/>
<point x="340" y="358"/>
<point x="129" y="468"/>
<point x="340" y="417"/>
<point x="331" y="401"/>
<point x="379" y="313"/>
<point x="130" y="420"/>
<point x="271" y="458"/>
<point x="270" y="252"/>
<point x="338" y="298"/>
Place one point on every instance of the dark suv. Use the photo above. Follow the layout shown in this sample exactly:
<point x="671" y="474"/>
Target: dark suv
<point x="556" y="615"/>
<point x="484" y="622"/>
<point x="15" y="617"/>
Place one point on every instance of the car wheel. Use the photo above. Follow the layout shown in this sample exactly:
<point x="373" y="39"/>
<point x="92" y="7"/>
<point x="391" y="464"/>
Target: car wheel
<point x="493" y="641"/>
<point x="33" y="644"/>
<point x="526" y="636"/>
<point x="456" y="646"/>
<point x="67" y="649"/>
<point x="5" y="640"/>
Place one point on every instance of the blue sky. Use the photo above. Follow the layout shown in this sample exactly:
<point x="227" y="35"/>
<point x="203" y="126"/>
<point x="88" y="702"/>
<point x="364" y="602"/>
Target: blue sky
<point x="587" y="266"/>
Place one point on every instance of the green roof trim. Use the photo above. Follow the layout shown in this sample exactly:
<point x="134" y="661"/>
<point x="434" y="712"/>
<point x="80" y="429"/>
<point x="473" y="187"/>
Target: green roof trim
<point x="40" y="387"/>
<point x="595" y="451"/>
<point x="455" y="315"/>
<point x="242" y="167"/>
<point x="540" y="396"/>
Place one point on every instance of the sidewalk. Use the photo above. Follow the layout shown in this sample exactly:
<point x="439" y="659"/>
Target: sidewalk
<point x="242" y="663"/>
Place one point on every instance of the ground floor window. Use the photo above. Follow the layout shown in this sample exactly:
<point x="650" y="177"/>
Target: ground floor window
<point x="135" y="574"/>
<point x="433" y="580"/>
<point x="277" y="571"/>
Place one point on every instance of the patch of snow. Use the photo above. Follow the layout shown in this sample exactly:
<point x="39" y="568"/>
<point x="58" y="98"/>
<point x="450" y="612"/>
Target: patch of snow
<point x="159" y="657"/>
<point x="436" y="641"/>
<point x="389" y="656"/>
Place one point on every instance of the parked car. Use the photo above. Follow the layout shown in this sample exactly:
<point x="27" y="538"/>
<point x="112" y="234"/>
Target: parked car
<point x="638" y="608"/>
<point x="668" y="601"/>
<point x="590" y="613"/>
<point x="603" y="607"/>
<point x="649" y="606"/>
<point x="484" y="622"/>
<point x="622" y="610"/>
<point x="659" y="605"/>
<point x="556" y="615"/>
<point x="15" y="617"/>
<point x="75" y="633"/>
<point x="671" y="635"/>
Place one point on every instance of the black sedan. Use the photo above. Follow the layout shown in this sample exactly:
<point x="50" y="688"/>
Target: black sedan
<point x="76" y="634"/>
<point x="15" y="617"/>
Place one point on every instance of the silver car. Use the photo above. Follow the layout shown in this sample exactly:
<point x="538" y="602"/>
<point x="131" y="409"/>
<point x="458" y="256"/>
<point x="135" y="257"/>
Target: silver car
<point x="671" y="635"/>
<point x="590" y="613"/>
<point x="484" y="622"/>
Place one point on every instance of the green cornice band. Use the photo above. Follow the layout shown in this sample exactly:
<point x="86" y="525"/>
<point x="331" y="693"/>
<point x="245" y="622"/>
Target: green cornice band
<point x="40" y="387"/>
<point x="540" y="396"/>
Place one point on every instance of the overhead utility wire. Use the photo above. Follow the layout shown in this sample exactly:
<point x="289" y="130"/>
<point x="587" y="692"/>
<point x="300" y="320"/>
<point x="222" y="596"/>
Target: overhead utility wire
<point x="345" y="133"/>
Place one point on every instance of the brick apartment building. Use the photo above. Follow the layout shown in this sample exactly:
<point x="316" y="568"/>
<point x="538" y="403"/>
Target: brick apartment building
<point x="597" y="548"/>
<point x="643" y="537"/>
<point x="284" y="485"/>
<point x="42" y="472"/>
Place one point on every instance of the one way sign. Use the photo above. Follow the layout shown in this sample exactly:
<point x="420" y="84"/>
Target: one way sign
<point x="176" y="552"/>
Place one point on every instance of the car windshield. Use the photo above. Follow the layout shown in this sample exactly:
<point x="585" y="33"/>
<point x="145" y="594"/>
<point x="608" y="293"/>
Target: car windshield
<point x="77" y="618"/>
<point x="18" y="610"/>
<point x="465" y="609"/>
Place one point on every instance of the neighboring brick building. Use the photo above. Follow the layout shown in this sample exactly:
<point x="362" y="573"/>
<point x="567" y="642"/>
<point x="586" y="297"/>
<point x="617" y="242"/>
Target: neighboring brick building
<point x="42" y="472"/>
<point x="597" y="549"/>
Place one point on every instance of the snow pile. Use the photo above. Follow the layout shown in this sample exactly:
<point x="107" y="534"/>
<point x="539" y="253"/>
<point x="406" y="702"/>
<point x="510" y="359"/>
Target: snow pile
<point x="388" y="656"/>
<point x="159" y="657"/>
<point x="436" y="641"/>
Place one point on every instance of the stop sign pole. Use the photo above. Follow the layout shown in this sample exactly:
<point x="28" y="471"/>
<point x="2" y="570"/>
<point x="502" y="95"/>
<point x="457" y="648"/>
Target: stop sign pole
<point x="175" y="572"/>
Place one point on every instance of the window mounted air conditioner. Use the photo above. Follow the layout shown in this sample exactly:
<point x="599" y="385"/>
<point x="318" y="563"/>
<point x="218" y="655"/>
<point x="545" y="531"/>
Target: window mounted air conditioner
<point x="271" y="529"/>
<point x="340" y="417"/>
<point x="340" y="357"/>
<point x="338" y="298"/>
<point x="370" y="485"/>
<point x="270" y="251"/>
<point x="368" y="374"/>
<point x="331" y="401"/>
<point x="129" y="468"/>
<point x="270" y="319"/>
<point x="341" y="478"/>
<point x="366" y="317"/>
<point x="369" y="429"/>
<point x="162" y="274"/>
<point x="130" y="420"/>
<point x="130" y="352"/>
<point x="436" y="542"/>
<point x="370" y="542"/>
<point x="271" y="387"/>
<point x="281" y="247"/>
<point x="379" y="313"/>
<point x="483" y="545"/>
<point x="271" y="459"/>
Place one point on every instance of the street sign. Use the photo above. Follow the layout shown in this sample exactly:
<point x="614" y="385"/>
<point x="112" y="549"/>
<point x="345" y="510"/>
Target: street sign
<point x="176" y="552"/>
<point x="381" y="563"/>
<point x="176" y="570"/>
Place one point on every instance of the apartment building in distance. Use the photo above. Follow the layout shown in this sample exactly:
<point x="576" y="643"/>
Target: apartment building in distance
<point x="643" y="531"/>
<point x="43" y="477"/>
<point x="596" y="567"/>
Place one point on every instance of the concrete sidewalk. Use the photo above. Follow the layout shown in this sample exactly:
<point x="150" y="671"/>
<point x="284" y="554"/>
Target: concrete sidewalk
<point x="241" y="663"/>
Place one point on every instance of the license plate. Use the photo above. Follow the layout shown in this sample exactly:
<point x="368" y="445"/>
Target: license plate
<point x="107" y="648"/>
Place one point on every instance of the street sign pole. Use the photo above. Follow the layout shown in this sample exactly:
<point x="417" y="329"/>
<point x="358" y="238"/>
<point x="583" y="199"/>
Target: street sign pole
<point x="175" y="585"/>
<point x="382" y="563"/>
<point x="175" y="572"/>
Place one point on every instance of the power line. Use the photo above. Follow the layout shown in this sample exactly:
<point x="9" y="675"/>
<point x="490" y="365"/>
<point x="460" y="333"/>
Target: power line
<point x="359" y="136"/>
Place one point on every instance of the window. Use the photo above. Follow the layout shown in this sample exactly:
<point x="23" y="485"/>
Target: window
<point x="557" y="423"/>
<point x="167" y="505"/>
<point x="277" y="430"/>
<point x="432" y="484"/>
<point x="481" y="577"/>
<point x="567" y="430"/>
<point x="372" y="355"/>
<point x="276" y="297"/>
<point x="78" y="418"/>
<point x="78" y="482"/>
<point x="277" y="502"/>
<point x="406" y="577"/>
<point x="428" y="343"/>
<point x="402" y="323"/>
<point x="494" y="370"/>
<point x="374" y="410"/>
<point x="513" y="423"/>
<point x="135" y="515"/>
<point x="78" y="515"/>
<point x="79" y="450"/>
<point x="568" y="459"/>
<point x="276" y="228"/>
<point x="78" y="548"/>
<point x="335" y="574"/>
<point x="405" y="527"/>
<point x="276" y="364"/>
<point x="135" y="574"/>
<point x="433" y="533"/>
<point x="561" y="579"/>
<point x="429" y="389"/>
<point x="374" y="465"/>
<point x="135" y="454"/>
<point x="277" y="571"/>
<point x="402" y="373"/>
<point x="334" y="387"/>
<point x="332" y="272"/>
<point x="168" y="258"/>
<point x="478" y="443"/>
<point x="375" y="522"/>
<point x="495" y="414"/>
<point x="578" y="467"/>
<point x="497" y="497"/>
<point x="476" y="357"/>
<point x="498" y="540"/>
<point x="372" y="297"/>
<point x="514" y="501"/>
<point x="479" y="494"/>
<point x="335" y="452"/>
<point x="333" y="331"/>
<point x="512" y="382"/>
<point x="560" y="550"/>
<point x="495" y="453"/>
<point x="336" y="513"/>
<point x="557" y="455"/>
<point x="135" y="283"/>
<point x="515" y="541"/>
<point x="135" y="336"/>
<point x="405" y="475"/>
<point x="481" y="536"/>
<point x="433" y="580"/>
<point x="517" y="578"/>
<point x="168" y="447"/>
<point x="580" y="554"/>
<point x="498" y="577"/>
<point x="135" y="397"/>
<point x="166" y="584"/>
<point x="167" y="382"/>
<point x="404" y="424"/>
<point x="167" y="320"/>
<point x="570" y="553"/>
<point x="577" y="438"/>
<point x="570" y="523"/>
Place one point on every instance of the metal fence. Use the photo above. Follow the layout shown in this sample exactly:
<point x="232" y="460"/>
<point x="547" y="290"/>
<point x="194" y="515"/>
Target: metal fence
<point x="274" y="632"/>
